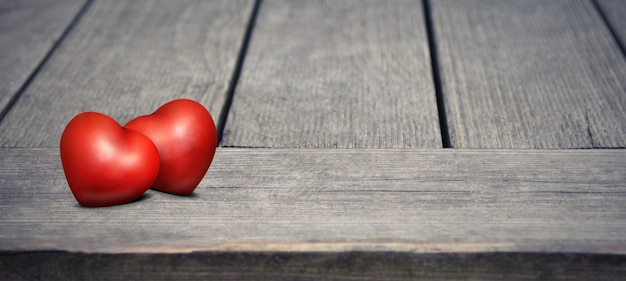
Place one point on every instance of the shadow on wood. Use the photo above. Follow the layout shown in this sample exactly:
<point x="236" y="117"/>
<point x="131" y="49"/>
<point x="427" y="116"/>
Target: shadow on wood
<point x="310" y="266"/>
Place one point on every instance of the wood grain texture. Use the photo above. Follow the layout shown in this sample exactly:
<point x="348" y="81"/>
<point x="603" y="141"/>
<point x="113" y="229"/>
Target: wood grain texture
<point x="614" y="11"/>
<point x="126" y="58"/>
<point x="28" y="30"/>
<point x="530" y="74"/>
<point x="311" y="266"/>
<point x="336" y="74"/>
<point x="398" y="201"/>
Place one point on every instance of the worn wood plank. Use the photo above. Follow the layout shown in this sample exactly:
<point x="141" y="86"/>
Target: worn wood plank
<point x="311" y="266"/>
<point x="330" y="214"/>
<point x="28" y="30"/>
<point x="614" y="11"/>
<point x="530" y="74"/>
<point x="336" y="74"/>
<point x="126" y="58"/>
<point x="402" y="201"/>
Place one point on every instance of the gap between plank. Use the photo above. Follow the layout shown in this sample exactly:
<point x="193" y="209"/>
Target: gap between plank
<point x="610" y="27"/>
<point x="230" y="93"/>
<point x="45" y="60"/>
<point x="434" y="62"/>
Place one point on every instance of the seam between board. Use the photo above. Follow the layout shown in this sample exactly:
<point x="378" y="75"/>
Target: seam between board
<point x="610" y="27"/>
<point x="230" y="92"/>
<point x="44" y="61"/>
<point x="436" y="73"/>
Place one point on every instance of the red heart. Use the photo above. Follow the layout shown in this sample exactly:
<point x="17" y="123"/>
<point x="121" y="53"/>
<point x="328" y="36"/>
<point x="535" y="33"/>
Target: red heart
<point x="185" y="135"/>
<point x="104" y="163"/>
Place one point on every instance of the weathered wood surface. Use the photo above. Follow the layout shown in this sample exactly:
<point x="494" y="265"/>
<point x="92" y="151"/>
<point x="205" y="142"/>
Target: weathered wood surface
<point x="28" y="31"/>
<point x="331" y="214"/>
<point x="336" y="74"/>
<point x="530" y="74"/>
<point x="269" y="200"/>
<point x="311" y="266"/>
<point x="614" y="11"/>
<point x="345" y="74"/>
<point x="126" y="58"/>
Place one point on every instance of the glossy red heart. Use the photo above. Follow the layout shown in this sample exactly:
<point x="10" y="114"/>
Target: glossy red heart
<point x="104" y="163"/>
<point x="185" y="135"/>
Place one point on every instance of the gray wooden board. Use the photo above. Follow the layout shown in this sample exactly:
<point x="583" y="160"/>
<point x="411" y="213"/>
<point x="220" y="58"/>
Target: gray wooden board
<point x="530" y="74"/>
<point x="615" y="13"/>
<point x="126" y="58"/>
<point x="286" y="200"/>
<point x="28" y="30"/>
<point x="311" y="266"/>
<point x="336" y="74"/>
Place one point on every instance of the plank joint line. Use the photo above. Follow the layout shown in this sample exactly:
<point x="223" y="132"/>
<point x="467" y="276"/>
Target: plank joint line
<point x="45" y="60"/>
<point x="434" y="61"/>
<point x="230" y="93"/>
<point x="610" y="27"/>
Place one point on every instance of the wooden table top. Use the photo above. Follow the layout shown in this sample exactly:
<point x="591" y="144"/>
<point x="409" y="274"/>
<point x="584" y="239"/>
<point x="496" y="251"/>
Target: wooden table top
<point x="402" y="139"/>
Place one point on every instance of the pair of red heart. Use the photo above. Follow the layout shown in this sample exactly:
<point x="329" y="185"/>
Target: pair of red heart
<point x="169" y="150"/>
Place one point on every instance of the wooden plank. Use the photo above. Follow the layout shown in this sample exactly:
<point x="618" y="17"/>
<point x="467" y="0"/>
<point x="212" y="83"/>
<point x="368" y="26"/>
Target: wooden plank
<point x="397" y="201"/>
<point x="614" y="11"/>
<point x="330" y="214"/>
<point x="126" y="58"/>
<point x="530" y="74"/>
<point x="311" y="266"/>
<point x="336" y="74"/>
<point x="28" y="30"/>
